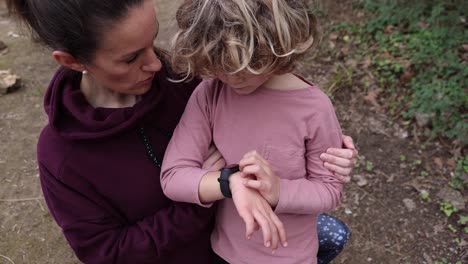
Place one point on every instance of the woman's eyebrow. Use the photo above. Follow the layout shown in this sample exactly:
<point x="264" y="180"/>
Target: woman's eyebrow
<point x="140" y="50"/>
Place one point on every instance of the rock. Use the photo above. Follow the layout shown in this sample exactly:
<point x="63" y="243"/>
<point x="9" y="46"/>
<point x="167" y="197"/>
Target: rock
<point x="348" y="211"/>
<point x="452" y="196"/>
<point x="3" y="46"/>
<point x="422" y="119"/>
<point x="410" y="204"/>
<point x="13" y="34"/>
<point x="8" y="82"/>
<point x="361" y="180"/>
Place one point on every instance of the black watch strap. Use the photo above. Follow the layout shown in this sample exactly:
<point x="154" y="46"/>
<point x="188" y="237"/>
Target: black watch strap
<point x="224" y="179"/>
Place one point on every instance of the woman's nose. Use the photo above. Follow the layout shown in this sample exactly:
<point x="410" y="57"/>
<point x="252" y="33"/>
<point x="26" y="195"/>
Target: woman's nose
<point x="152" y="62"/>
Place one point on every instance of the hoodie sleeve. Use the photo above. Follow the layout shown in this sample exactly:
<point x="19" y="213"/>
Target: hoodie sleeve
<point x="99" y="235"/>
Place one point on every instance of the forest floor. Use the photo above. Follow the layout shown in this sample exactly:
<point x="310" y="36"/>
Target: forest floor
<point x="392" y="204"/>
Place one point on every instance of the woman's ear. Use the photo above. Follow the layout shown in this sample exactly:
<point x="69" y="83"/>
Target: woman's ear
<point x="67" y="60"/>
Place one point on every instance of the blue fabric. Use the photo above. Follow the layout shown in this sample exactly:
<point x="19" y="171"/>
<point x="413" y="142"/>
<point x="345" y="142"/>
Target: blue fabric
<point x="333" y="235"/>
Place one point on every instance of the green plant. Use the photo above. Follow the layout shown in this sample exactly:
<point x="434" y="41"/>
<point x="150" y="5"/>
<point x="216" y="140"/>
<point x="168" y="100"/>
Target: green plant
<point x="424" y="195"/>
<point x="419" y="63"/>
<point x="448" y="208"/>
<point x="402" y="157"/>
<point x="456" y="180"/>
<point x="342" y="78"/>
<point x="463" y="219"/>
<point x="452" y="228"/>
<point x="442" y="261"/>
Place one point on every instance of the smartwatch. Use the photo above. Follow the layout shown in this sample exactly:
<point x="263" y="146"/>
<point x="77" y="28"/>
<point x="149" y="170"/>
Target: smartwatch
<point x="224" y="179"/>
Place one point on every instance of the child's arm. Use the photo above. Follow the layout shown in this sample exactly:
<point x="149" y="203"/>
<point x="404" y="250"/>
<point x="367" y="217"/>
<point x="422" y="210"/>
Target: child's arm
<point x="181" y="172"/>
<point x="320" y="190"/>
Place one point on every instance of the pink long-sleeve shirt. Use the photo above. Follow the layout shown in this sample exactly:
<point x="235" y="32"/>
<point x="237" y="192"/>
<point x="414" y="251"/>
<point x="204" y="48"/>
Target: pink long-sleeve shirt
<point x="290" y="129"/>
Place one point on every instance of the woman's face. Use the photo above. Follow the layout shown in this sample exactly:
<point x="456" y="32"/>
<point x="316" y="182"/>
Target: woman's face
<point x="125" y="62"/>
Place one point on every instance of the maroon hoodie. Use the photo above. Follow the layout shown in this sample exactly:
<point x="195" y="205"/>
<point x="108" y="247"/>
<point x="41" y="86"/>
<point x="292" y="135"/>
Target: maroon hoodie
<point x="101" y="186"/>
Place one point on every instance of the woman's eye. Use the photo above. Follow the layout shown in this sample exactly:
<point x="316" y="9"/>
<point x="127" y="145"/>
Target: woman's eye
<point x="132" y="59"/>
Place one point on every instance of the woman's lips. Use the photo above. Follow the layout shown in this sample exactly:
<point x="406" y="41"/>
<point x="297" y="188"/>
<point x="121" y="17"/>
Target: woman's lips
<point x="147" y="80"/>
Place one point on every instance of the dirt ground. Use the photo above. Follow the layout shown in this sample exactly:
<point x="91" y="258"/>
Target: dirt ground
<point x="389" y="220"/>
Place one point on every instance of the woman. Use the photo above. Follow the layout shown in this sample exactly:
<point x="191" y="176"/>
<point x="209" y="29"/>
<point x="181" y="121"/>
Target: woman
<point x="111" y="112"/>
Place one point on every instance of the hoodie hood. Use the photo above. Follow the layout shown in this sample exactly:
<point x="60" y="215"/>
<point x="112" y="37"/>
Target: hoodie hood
<point x="72" y="117"/>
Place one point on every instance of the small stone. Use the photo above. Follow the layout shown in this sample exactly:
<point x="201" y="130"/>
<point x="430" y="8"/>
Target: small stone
<point x="361" y="180"/>
<point x="3" y="46"/>
<point x="13" y="34"/>
<point x="8" y="82"/>
<point x="452" y="196"/>
<point x="348" y="211"/>
<point x="409" y="204"/>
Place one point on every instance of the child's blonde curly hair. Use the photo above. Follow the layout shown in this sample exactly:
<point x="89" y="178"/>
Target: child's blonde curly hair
<point x="233" y="36"/>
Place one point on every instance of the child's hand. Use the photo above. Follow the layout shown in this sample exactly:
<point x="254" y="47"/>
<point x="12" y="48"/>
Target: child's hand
<point x="341" y="161"/>
<point x="266" y="182"/>
<point x="254" y="209"/>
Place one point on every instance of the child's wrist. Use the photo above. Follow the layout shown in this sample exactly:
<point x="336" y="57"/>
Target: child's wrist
<point x="235" y="181"/>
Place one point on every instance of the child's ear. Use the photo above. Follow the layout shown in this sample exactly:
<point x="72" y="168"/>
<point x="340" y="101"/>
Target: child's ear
<point x="67" y="60"/>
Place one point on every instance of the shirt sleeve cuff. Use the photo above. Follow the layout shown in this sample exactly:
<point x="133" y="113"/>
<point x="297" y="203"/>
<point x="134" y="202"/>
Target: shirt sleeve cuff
<point x="283" y="197"/>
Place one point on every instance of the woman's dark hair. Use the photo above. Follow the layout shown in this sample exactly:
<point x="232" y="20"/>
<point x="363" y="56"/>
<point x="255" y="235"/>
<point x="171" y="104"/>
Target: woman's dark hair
<point x="73" y="26"/>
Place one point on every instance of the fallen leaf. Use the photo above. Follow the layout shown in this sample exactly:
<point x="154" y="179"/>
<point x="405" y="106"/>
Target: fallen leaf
<point x="371" y="97"/>
<point x="423" y="24"/>
<point x="452" y="163"/>
<point x="407" y="76"/>
<point x="386" y="55"/>
<point x="345" y="50"/>
<point x="439" y="228"/>
<point x="333" y="36"/>
<point x="465" y="47"/>
<point x="438" y="161"/>
<point x="418" y="184"/>
<point x="366" y="63"/>
<point x="389" y="28"/>
<point x="361" y="180"/>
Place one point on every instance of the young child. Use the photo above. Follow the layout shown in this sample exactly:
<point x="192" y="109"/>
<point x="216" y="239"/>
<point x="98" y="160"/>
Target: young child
<point x="274" y="124"/>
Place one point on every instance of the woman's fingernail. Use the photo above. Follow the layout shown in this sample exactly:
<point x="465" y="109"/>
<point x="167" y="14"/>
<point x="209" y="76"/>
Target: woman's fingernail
<point x="267" y="244"/>
<point x="285" y="244"/>
<point x="273" y="251"/>
<point x="323" y="156"/>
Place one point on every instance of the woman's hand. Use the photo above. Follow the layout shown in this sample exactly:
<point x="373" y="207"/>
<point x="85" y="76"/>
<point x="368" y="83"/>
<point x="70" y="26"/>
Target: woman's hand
<point x="341" y="161"/>
<point x="214" y="161"/>
<point x="255" y="210"/>
<point x="266" y="182"/>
